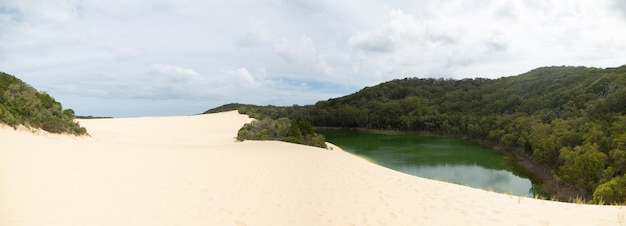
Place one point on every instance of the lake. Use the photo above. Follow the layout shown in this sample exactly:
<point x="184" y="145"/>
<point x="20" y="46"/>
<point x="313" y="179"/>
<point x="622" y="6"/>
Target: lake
<point x="435" y="157"/>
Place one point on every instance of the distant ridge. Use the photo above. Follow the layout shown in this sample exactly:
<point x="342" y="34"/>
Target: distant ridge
<point x="21" y="104"/>
<point x="92" y="117"/>
<point x="228" y="107"/>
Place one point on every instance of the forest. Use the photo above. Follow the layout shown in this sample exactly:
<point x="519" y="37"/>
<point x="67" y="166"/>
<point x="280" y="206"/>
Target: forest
<point x="21" y="104"/>
<point x="565" y="125"/>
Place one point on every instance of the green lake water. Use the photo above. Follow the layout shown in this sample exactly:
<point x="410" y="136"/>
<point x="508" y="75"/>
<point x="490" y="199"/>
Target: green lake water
<point x="435" y="157"/>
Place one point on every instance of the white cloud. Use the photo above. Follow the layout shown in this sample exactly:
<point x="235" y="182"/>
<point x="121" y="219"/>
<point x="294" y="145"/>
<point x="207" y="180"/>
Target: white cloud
<point x="289" y="52"/>
<point x="303" y="53"/>
<point x="620" y="6"/>
<point x="489" y="38"/>
<point x="173" y="70"/>
<point x="300" y="51"/>
<point x="244" y="75"/>
<point x="257" y="36"/>
<point x="399" y="31"/>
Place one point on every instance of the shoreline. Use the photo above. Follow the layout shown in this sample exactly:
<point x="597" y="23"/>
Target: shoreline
<point x="538" y="174"/>
<point x="189" y="170"/>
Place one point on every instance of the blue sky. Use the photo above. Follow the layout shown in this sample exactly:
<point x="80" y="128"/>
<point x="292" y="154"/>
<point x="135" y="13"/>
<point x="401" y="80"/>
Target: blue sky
<point x="180" y="57"/>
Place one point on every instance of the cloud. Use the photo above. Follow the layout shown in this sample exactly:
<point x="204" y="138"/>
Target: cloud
<point x="297" y="53"/>
<point x="487" y="38"/>
<point x="289" y="52"/>
<point x="401" y="29"/>
<point x="506" y="11"/>
<point x="372" y="42"/>
<point x="257" y="36"/>
<point x="242" y="75"/>
<point x="8" y="15"/>
<point x="172" y="70"/>
<point x="304" y="53"/>
<point x="404" y="45"/>
<point x="620" y="6"/>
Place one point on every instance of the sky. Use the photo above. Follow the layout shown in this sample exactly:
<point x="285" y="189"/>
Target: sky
<point x="129" y="58"/>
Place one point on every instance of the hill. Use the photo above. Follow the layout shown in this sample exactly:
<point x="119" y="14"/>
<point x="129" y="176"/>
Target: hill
<point x="21" y="104"/>
<point x="566" y="125"/>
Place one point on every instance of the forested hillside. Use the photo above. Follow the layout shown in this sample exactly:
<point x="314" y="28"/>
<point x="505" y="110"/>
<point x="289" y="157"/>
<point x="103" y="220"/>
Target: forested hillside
<point x="21" y="104"/>
<point x="569" y="120"/>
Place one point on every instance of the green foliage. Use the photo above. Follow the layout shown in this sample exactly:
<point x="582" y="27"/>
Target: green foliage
<point x="583" y="166"/>
<point x="570" y="120"/>
<point x="21" y="104"/>
<point x="611" y="192"/>
<point x="297" y="131"/>
<point x="227" y="107"/>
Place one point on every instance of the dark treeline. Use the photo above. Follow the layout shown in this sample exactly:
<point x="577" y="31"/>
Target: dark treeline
<point x="92" y="117"/>
<point x="21" y="104"/>
<point x="569" y="122"/>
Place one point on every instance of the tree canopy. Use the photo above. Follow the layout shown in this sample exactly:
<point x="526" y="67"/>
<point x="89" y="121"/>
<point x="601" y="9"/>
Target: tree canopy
<point x="21" y="104"/>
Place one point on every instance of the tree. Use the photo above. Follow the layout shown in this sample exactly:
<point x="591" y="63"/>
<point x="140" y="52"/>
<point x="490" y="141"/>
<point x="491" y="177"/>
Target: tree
<point x="611" y="192"/>
<point x="544" y="144"/>
<point x="282" y="129"/>
<point x="582" y="166"/>
<point x="617" y="159"/>
<point x="21" y="104"/>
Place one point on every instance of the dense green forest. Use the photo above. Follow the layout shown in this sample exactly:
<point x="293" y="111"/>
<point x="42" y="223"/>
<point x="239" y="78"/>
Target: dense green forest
<point x="567" y="125"/>
<point x="21" y="104"/>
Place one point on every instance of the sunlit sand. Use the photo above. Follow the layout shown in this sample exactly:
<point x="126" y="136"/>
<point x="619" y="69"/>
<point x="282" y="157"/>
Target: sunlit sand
<point x="189" y="170"/>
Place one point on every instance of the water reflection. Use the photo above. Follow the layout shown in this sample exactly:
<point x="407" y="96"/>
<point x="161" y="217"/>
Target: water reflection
<point x="434" y="157"/>
<point x="472" y="175"/>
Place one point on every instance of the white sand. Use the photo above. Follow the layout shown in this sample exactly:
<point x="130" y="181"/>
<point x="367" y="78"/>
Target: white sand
<point x="190" y="171"/>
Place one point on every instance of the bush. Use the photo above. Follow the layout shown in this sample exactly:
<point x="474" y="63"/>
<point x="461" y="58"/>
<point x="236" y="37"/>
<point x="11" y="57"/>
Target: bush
<point x="21" y="104"/>
<point x="282" y="129"/>
<point x="612" y="192"/>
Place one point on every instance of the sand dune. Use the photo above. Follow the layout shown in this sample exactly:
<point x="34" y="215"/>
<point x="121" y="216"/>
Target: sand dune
<point x="189" y="170"/>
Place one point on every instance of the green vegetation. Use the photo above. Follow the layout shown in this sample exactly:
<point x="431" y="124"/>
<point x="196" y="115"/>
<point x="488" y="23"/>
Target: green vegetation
<point x="228" y="107"/>
<point x="21" y="104"/>
<point x="92" y="117"/>
<point x="296" y="131"/>
<point x="611" y="192"/>
<point x="565" y="125"/>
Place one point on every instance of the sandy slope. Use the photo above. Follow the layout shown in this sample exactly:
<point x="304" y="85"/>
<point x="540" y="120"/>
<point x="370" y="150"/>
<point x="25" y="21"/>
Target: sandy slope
<point x="190" y="171"/>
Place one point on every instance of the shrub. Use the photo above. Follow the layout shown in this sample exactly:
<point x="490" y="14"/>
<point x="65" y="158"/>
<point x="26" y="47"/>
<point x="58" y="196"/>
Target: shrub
<point x="282" y="129"/>
<point x="612" y="192"/>
<point x="21" y="104"/>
